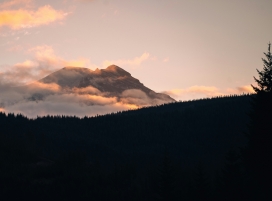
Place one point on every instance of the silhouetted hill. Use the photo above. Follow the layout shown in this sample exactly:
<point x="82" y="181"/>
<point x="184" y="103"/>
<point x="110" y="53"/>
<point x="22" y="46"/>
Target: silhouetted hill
<point x="190" y="130"/>
<point x="118" y="155"/>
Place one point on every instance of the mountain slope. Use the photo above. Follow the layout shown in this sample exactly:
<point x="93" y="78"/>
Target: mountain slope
<point x="111" y="82"/>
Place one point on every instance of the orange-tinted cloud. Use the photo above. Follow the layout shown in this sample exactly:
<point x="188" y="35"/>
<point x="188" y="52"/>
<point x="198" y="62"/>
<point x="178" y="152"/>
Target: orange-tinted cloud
<point x="39" y="86"/>
<point x="86" y="90"/>
<point x="45" y="61"/>
<point x="21" y="18"/>
<point x="47" y="54"/>
<point x="197" y="92"/>
<point x="194" y="92"/>
<point x="240" y="90"/>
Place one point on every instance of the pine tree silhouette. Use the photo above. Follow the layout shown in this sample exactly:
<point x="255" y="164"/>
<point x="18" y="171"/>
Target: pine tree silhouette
<point x="265" y="76"/>
<point x="257" y="154"/>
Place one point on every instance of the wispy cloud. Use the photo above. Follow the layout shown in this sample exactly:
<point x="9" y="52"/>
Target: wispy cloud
<point x="44" y="62"/>
<point x="23" y="18"/>
<point x="196" y="92"/>
<point x="128" y="62"/>
<point x="242" y="89"/>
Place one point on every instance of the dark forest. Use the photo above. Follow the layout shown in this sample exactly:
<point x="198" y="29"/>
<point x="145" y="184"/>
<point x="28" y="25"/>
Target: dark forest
<point x="179" y="151"/>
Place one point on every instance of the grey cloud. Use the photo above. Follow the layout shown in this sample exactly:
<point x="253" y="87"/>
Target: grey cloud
<point x="42" y="108"/>
<point x="139" y="98"/>
<point x="40" y="99"/>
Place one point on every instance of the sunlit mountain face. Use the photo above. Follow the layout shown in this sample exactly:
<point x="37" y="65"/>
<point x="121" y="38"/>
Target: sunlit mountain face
<point x="83" y="92"/>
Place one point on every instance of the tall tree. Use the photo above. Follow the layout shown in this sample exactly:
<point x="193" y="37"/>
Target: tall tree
<point x="258" y="152"/>
<point x="265" y="76"/>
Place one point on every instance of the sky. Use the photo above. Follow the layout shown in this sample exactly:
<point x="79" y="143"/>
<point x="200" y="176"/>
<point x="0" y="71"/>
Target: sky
<point x="188" y="49"/>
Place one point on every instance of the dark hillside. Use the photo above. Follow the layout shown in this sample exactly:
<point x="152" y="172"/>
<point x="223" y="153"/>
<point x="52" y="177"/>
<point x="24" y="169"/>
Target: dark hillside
<point x="190" y="130"/>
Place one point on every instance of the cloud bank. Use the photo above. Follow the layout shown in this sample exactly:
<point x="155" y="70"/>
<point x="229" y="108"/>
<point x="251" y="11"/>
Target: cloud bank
<point x="39" y="99"/>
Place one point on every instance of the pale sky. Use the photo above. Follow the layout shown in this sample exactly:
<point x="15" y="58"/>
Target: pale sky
<point x="188" y="48"/>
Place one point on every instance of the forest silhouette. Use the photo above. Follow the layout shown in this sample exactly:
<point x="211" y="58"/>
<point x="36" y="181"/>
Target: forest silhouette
<point x="209" y="149"/>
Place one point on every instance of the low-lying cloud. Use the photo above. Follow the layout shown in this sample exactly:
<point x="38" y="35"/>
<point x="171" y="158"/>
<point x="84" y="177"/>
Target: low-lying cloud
<point x="196" y="92"/>
<point x="39" y="99"/>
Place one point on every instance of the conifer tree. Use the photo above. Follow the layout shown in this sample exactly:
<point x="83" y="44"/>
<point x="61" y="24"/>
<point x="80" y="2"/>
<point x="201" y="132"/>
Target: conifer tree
<point x="265" y="77"/>
<point x="257" y="154"/>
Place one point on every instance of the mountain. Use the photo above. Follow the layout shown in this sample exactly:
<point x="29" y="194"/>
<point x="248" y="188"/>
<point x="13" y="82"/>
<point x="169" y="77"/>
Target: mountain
<point x="110" y="82"/>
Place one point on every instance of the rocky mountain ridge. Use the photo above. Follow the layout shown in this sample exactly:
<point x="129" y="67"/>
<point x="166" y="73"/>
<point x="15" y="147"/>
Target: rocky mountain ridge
<point x="110" y="82"/>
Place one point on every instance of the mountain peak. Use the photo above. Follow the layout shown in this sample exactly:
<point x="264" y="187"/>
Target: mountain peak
<point x="116" y="70"/>
<point x="113" y="67"/>
<point x="112" y="81"/>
